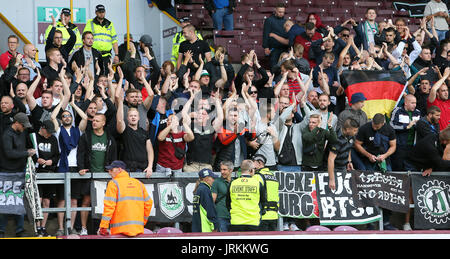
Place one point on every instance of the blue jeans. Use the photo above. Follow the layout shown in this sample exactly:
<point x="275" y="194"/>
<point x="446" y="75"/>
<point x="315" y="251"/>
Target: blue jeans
<point x="224" y="224"/>
<point x="441" y="34"/>
<point x="223" y="18"/>
<point x="289" y="168"/>
<point x="19" y="222"/>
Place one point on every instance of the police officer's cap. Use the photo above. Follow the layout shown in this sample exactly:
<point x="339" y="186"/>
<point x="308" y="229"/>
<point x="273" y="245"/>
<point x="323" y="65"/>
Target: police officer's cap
<point x="259" y="157"/>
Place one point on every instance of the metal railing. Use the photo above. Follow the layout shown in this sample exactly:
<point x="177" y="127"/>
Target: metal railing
<point x="65" y="178"/>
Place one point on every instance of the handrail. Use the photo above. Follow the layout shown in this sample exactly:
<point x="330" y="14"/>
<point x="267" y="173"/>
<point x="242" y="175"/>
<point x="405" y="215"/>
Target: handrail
<point x="16" y="31"/>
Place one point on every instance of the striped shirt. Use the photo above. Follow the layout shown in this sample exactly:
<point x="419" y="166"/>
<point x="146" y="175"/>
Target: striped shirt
<point x="342" y="148"/>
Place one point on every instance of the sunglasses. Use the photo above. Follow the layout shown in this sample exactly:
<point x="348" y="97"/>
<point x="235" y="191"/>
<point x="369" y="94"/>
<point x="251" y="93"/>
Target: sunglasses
<point x="346" y="35"/>
<point x="67" y="116"/>
<point x="253" y="92"/>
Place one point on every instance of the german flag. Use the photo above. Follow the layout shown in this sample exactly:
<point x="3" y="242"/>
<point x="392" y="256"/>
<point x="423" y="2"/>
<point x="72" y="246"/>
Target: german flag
<point x="382" y="89"/>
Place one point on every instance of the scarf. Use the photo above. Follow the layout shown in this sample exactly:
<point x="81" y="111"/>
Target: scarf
<point x="66" y="144"/>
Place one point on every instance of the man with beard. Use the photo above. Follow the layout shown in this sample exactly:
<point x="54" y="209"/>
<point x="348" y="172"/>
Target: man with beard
<point x="68" y="136"/>
<point x="9" y="106"/>
<point x="87" y="55"/>
<point x="354" y="111"/>
<point x="428" y="124"/>
<point x="324" y="102"/>
<point x="138" y="150"/>
<point x="439" y="97"/>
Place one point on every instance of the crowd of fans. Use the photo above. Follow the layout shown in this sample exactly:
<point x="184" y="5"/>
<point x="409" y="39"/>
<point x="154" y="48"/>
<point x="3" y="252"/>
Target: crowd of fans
<point x="88" y="107"/>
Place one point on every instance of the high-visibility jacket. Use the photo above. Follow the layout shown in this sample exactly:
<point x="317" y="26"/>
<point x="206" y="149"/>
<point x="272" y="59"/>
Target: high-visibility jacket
<point x="204" y="216"/>
<point x="246" y="197"/>
<point x="127" y="206"/>
<point x="177" y="40"/>
<point x="65" y="34"/>
<point x="104" y="35"/>
<point x="270" y="182"/>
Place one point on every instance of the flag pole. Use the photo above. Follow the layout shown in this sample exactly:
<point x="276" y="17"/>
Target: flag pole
<point x="128" y="24"/>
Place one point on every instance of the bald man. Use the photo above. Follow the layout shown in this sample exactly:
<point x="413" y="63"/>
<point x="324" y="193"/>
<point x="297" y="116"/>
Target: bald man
<point x="29" y="59"/>
<point x="403" y="121"/>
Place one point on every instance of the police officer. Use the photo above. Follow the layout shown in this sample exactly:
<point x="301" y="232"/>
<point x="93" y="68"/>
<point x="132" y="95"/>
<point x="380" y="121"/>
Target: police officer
<point x="179" y="37"/>
<point x="245" y="200"/>
<point x="269" y="180"/>
<point x="204" y="216"/>
<point x="105" y="37"/>
<point x="64" y="25"/>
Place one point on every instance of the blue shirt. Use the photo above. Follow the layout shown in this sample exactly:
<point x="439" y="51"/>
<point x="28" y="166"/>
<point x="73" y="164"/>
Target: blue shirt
<point x="221" y="3"/>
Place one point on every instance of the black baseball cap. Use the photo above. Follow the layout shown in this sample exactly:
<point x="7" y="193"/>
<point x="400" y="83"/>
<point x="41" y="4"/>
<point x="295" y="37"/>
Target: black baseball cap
<point x="65" y="11"/>
<point x="100" y="8"/>
<point x="49" y="126"/>
<point x="184" y="19"/>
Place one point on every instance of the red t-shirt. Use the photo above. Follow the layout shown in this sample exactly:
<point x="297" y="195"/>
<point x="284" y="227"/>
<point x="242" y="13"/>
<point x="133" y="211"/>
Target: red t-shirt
<point x="306" y="45"/>
<point x="445" y="111"/>
<point x="166" y="151"/>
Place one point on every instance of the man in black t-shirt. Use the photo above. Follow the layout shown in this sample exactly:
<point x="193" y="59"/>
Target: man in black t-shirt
<point x="196" y="47"/>
<point x="138" y="150"/>
<point x="375" y="142"/>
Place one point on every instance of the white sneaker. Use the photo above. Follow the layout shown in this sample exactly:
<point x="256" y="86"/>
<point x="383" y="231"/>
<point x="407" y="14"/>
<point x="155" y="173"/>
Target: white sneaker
<point x="285" y="227"/>
<point x="293" y="227"/>
<point x="83" y="232"/>
<point x="407" y="227"/>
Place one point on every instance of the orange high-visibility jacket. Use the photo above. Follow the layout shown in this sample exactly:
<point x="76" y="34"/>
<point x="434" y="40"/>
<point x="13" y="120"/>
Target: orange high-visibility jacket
<point x="127" y="206"/>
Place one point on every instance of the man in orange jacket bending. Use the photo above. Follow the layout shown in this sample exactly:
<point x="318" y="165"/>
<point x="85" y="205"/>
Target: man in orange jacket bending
<point x="127" y="204"/>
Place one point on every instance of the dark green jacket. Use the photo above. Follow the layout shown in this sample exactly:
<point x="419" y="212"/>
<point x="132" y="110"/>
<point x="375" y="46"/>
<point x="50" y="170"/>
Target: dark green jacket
<point x="314" y="145"/>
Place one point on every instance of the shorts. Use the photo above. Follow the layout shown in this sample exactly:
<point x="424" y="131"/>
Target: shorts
<point x="80" y="188"/>
<point x="50" y="191"/>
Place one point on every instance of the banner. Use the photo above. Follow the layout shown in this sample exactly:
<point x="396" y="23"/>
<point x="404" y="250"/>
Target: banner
<point x="431" y="202"/>
<point x="337" y="207"/>
<point x="172" y="200"/>
<point x="11" y="193"/>
<point x="385" y="190"/>
<point x="32" y="199"/>
<point x="298" y="196"/>
<point x="382" y="89"/>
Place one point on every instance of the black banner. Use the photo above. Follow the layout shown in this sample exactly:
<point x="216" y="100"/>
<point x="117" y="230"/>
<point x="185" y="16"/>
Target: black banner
<point x="431" y="202"/>
<point x="337" y="207"/>
<point x="172" y="200"/>
<point x="11" y="193"/>
<point x="298" y="196"/>
<point x="386" y="190"/>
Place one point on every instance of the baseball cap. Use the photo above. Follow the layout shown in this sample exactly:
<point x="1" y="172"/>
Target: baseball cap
<point x="65" y="11"/>
<point x="259" y="157"/>
<point x="204" y="73"/>
<point x="146" y="39"/>
<point x="116" y="164"/>
<point x="49" y="126"/>
<point x="100" y="8"/>
<point x="22" y="118"/>
<point x="206" y="172"/>
<point x="357" y="97"/>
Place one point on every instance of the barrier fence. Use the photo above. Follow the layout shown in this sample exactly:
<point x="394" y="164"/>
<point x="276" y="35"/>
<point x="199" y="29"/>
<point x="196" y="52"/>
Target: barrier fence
<point x="356" y="200"/>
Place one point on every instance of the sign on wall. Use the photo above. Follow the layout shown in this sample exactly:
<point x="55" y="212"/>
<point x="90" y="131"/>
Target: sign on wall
<point x="44" y="19"/>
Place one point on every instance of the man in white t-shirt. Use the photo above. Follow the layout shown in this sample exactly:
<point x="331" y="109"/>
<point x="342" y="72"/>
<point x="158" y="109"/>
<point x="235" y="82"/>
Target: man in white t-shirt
<point x="438" y="10"/>
<point x="68" y="137"/>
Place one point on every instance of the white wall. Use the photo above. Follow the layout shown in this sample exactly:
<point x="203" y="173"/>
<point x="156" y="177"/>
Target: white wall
<point x="143" y="20"/>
